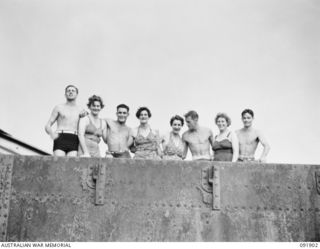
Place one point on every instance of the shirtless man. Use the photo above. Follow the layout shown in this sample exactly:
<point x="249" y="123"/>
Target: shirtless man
<point x="65" y="138"/>
<point x="119" y="135"/>
<point x="249" y="139"/>
<point x="197" y="139"/>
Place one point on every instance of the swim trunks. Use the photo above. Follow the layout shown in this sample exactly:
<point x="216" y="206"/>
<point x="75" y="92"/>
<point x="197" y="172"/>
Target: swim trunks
<point x="66" y="142"/>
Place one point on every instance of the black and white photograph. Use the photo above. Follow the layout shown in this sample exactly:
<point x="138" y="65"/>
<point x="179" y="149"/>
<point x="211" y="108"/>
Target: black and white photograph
<point x="159" y="121"/>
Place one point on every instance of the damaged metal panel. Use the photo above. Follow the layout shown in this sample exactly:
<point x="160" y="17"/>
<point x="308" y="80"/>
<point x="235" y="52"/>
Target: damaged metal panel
<point x="58" y="199"/>
<point x="6" y="163"/>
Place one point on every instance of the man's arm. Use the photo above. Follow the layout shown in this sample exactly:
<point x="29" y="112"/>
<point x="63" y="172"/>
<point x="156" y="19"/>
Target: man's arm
<point x="211" y="138"/>
<point x="185" y="147"/>
<point x="53" y="118"/>
<point x="266" y="147"/>
<point x="235" y="147"/>
<point x="105" y="130"/>
<point x="81" y="130"/>
<point x="130" y="138"/>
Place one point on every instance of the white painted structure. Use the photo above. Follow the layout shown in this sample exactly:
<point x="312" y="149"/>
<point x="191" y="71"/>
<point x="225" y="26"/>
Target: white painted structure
<point x="13" y="146"/>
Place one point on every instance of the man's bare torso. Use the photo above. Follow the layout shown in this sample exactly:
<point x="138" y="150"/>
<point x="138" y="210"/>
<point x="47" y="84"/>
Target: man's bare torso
<point x="198" y="142"/>
<point x="248" y="142"/>
<point x="118" y="135"/>
<point x="68" y="117"/>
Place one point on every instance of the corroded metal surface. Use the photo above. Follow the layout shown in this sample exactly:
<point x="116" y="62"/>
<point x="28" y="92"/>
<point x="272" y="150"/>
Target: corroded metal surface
<point x="54" y="199"/>
<point x="6" y="163"/>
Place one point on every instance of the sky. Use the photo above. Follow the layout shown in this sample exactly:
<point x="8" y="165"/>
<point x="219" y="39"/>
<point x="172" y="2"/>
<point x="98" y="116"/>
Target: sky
<point x="171" y="56"/>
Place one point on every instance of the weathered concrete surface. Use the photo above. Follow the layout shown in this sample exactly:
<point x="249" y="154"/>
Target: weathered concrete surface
<point x="52" y="199"/>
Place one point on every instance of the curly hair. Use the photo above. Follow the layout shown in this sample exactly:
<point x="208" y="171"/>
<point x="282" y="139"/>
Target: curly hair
<point x="176" y="117"/>
<point x="225" y="116"/>
<point x="143" y="108"/>
<point x="94" y="98"/>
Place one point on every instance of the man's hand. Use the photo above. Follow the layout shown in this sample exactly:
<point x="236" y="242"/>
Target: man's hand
<point x="54" y="135"/>
<point x="262" y="160"/>
<point x="83" y="113"/>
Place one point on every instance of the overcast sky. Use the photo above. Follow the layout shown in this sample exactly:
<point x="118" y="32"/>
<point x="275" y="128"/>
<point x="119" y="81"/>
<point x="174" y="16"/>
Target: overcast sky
<point x="172" y="56"/>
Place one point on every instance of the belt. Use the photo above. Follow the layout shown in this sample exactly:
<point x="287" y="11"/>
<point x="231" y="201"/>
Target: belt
<point x="245" y="158"/>
<point x="68" y="132"/>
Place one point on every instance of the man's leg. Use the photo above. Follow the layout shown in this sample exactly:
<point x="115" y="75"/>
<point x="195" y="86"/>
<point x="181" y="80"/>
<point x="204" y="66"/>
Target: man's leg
<point x="59" y="153"/>
<point x="73" y="153"/>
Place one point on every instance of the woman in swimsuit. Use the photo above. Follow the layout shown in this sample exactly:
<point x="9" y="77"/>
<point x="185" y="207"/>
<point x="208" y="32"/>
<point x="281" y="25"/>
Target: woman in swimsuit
<point x="225" y="146"/>
<point x="146" y="140"/>
<point x="172" y="143"/>
<point x="91" y="129"/>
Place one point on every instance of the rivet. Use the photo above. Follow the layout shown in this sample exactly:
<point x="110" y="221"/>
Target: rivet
<point x="289" y="187"/>
<point x="301" y="209"/>
<point x="280" y="209"/>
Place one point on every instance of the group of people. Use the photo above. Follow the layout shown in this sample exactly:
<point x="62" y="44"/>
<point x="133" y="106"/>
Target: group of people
<point x="79" y="133"/>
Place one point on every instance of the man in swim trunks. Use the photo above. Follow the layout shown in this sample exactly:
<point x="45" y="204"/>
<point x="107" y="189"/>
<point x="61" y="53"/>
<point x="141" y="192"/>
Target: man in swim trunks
<point x="249" y="139"/>
<point x="65" y="138"/>
<point x="197" y="139"/>
<point x="119" y="135"/>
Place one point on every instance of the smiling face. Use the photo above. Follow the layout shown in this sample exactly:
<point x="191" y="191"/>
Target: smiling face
<point x="247" y="120"/>
<point x="176" y="126"/>
<point x="122" y="115"/>
<point x="222" y="124"/>
<point x="144" y="117"/>
<point x="71" y="93"/>
<point x="95" y="108"/>
<point x="191" y="123"/>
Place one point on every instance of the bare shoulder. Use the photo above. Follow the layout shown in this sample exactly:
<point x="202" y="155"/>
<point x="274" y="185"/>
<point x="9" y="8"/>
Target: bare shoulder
<point x="109" y="122"/>
<point x="185" y="135"/>
<point x="206" y="130"/>
<point x="258" y="133"/>
<point x="135" y="131"/>
<point x="59" y="107"/>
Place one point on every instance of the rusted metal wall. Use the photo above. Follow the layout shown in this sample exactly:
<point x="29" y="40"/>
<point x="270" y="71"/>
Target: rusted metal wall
<point x="73" y="199"/>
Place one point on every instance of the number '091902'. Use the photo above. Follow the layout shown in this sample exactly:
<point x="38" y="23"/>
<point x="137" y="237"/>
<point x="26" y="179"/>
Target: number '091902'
<point x="308" y="245"/>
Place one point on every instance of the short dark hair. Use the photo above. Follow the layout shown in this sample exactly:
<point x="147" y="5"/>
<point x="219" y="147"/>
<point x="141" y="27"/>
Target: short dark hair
<point x="193" y="114"/>
<point x="65" y="90"/>
<point x="176" y="117"/>
<point x="94" y="98"/>
<point x="225" y="116"/>
<point x="247" y="111"/>
<point x="123" y="106"/>
<point x="143" y="109"/>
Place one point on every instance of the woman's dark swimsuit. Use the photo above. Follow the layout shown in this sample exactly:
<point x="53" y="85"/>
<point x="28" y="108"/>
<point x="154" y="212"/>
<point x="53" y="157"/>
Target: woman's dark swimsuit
<point x="223" y="150"/>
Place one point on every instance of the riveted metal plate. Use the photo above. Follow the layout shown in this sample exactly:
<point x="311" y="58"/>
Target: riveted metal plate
<point x="317" y="176"/>
<point x="6" y="165"/>
<point x="100" y="184"/>
<point x="216" y="188"/>
<point x="149" y="200"/>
